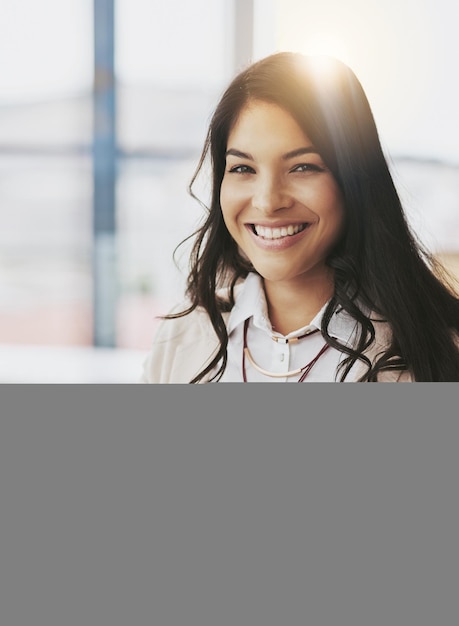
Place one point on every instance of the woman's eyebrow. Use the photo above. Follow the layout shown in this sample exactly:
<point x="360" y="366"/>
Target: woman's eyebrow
<point x="299" y="152"/>
<point x="239" y="154"/>
<point x="289" y="155"/>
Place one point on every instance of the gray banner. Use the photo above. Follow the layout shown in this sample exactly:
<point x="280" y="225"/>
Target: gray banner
<point x="229" y="505"/>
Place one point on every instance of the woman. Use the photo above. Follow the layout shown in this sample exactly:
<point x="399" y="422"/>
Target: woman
<point x="305" y="268"/>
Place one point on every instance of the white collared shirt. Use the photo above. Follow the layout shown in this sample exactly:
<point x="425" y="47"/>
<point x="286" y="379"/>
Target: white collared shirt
<point x="278" y="355"/>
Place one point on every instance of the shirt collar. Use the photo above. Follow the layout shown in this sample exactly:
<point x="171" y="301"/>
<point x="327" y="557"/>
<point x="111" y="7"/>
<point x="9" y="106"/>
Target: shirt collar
<point x="251" y="303"/>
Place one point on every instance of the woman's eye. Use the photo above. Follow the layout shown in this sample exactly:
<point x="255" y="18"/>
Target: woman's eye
<point x="241" y="169"/>
<point x="307" y="167"/>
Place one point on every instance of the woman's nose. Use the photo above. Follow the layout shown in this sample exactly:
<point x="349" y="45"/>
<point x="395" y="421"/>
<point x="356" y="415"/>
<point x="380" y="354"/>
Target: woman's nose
<point x="270" y="195"/>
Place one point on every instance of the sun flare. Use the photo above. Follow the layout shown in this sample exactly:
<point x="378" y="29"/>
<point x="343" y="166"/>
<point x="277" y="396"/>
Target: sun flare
<point x="326" y="45"/>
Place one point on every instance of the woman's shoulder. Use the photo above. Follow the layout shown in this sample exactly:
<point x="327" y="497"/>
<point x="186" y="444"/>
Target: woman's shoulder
<point x="183" y="344"/>
<point x="180" y="324"/>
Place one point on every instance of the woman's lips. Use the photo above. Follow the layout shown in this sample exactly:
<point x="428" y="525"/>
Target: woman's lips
<point x="276" y="232"/>
<point x="279" y="237"/>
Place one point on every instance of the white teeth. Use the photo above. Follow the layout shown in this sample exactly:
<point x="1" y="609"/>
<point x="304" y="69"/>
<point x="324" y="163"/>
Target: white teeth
<point x="277" y="233"/>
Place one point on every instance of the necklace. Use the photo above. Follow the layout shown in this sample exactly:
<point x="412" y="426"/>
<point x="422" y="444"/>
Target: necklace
<point x="304" y="371"/>
<point x="293" y="339"/>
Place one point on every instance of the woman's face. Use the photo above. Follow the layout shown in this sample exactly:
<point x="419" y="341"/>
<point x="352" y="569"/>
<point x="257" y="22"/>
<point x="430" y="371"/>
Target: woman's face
<point x="280" y="203"/>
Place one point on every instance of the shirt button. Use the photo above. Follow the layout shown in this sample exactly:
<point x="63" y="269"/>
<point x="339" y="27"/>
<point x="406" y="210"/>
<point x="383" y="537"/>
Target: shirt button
<point x="282" y="357"/>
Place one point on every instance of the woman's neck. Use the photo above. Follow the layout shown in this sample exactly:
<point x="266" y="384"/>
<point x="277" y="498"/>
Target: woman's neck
<point x="292" y="306"/>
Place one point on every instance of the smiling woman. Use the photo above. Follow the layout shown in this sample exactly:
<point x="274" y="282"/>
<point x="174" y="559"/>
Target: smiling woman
<point x="284" y="209"/>
<point x="305" y="268"/>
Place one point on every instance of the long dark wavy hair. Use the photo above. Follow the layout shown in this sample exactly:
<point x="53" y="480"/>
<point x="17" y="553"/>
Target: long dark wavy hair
<point x="378" y="263"/>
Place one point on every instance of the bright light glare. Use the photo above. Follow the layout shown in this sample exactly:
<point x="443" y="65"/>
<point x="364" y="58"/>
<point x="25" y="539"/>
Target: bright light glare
<point x="403" y="53"/>
<point x="326" y="45"/>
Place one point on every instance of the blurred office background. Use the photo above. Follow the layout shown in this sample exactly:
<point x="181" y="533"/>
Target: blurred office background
<point x="104" y="106"/>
